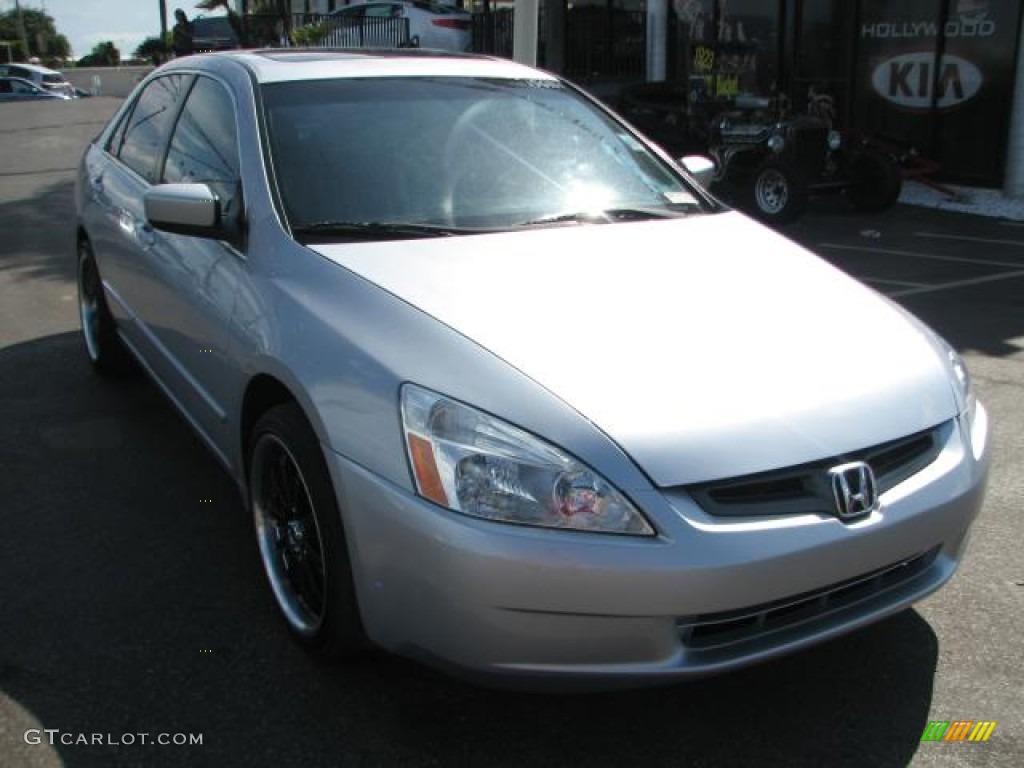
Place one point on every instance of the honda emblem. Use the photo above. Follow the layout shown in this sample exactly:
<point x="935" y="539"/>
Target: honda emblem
<point x="854" y="489"/>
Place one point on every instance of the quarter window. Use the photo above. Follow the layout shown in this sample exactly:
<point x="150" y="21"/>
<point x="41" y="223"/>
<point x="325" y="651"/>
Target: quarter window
<point x="145" y="137"/>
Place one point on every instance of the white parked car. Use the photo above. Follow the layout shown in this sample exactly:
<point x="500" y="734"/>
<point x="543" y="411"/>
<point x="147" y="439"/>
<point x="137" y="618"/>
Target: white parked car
<point x="376" y="25"/>
<point x="44" y="77"/>
<point x="16" y="89"/>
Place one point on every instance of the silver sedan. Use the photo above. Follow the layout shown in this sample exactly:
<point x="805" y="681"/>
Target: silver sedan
<point x="504" y="389"/>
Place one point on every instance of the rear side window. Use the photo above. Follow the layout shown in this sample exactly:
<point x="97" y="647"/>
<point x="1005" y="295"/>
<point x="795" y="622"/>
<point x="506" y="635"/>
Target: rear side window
<point x="145" y="135"/>
<point x="53" y="79"/>
<point x="204" y="147"/>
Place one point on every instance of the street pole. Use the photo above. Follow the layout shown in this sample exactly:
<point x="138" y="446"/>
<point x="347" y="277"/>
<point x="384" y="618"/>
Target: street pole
<point x="21" y="30"/>
<point x="163" y="21"/>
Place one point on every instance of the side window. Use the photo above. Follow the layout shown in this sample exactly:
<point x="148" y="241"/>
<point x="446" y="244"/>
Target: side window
<point x="145" y="134"/>
<point x="5" y="86"/>
<point x="204" y="147"/>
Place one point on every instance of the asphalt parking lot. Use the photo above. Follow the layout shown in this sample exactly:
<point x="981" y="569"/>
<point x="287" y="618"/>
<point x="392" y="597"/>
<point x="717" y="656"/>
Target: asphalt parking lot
<point x="132" y="602"/>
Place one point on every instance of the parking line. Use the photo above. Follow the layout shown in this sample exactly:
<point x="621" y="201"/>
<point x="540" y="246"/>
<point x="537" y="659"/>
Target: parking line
<point x="958" y="284"/>
<point x="966" y="238"/>
<point x="916" y="255"/>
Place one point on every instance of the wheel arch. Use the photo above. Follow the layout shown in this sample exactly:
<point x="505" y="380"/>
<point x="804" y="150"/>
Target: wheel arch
<point x="263" y="392"/>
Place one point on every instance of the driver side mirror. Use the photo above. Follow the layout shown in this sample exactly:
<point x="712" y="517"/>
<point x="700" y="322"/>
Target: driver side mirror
<point x="701" y="168"/>
<point x="188" y="209"/>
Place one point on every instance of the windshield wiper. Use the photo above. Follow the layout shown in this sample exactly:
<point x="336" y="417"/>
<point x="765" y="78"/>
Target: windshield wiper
<point x="611" y="215"/>
<point x="371" y="230"/>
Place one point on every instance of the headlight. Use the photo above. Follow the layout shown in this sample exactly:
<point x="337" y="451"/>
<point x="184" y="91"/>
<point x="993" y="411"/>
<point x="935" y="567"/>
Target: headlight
<point x="835" y="140"/>
<point x="776" y="143"/>
<point x="961" y="379"/>
<point x="975" y="416"/>
<point x="473" y="463"/>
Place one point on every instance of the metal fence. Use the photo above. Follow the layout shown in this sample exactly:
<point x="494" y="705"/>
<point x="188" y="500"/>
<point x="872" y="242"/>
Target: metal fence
<point x="330" y="31"/>
<point x="605" y="43"/>
<point x="598" y="43"/>
<point x="492" y="32"/>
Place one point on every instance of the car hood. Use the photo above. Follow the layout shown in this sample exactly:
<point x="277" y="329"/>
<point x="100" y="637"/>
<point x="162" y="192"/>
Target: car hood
<point x="706" y="347"/>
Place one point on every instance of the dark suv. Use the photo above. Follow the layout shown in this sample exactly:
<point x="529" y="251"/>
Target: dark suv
<point x="213" y="33"/>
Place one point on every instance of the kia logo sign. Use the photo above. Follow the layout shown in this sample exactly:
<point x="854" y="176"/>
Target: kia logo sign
<point x="908" y="80"/>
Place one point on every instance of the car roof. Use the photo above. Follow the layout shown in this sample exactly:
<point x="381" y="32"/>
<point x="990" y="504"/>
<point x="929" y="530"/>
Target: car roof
<point x="275" y="65"/>
<point x="32" y="67"/>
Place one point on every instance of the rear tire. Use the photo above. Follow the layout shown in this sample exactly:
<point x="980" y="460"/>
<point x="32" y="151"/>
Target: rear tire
<point x="300" y="535"/>
<point x="778" y="193"/>
<point x="103" y="346"/>
<point x="876" y="182"/>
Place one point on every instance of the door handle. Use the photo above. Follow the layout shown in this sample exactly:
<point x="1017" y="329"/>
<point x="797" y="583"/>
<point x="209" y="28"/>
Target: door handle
<point x="147" y="235"/>
<point x="96" y="184"/>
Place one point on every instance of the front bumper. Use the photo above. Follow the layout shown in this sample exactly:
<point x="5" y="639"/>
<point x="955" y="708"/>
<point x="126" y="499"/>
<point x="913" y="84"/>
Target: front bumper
<point x="523" y="607"/>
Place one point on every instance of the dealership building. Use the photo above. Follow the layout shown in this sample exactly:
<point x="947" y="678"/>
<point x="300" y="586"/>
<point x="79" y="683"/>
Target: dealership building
<point x="945" y="76"/>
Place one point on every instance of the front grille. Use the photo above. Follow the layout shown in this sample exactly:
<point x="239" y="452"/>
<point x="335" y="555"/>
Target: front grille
<point x="807" y="145"/>
<point x="711" y="630"/>
<point x="805" y="489"/>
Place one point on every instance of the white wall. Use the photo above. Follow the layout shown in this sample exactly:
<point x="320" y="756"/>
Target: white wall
<point x="113" y="81"/>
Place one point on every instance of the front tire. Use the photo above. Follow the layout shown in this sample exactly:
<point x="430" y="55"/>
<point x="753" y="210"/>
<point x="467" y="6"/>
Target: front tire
<point x="300" y="534"/>
<point x="875" y="182"/>
<point x="103" y="346"/>
<point x="778" y="193"/>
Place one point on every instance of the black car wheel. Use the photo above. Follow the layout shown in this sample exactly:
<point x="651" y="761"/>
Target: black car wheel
<point x="300" y="535"/>
<point x="778" y="193"/>
<point x="105" y="350"/>
<point x="875" y="182"/>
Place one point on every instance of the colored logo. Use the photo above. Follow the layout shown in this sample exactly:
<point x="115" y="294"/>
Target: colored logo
<point x="959" y="730"/>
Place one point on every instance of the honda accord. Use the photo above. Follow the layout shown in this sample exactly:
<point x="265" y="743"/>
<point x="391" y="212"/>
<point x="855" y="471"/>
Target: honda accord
<point x="504" y="389"/>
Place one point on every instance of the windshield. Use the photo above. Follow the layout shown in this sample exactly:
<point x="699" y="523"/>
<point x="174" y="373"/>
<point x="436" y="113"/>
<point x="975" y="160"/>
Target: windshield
<point x="463" y="153"/>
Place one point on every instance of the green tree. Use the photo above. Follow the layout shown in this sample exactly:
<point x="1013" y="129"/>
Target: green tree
<point x="153" y="49"/>
<point x="43" y="39"/>
<point x="103" y="54"/>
